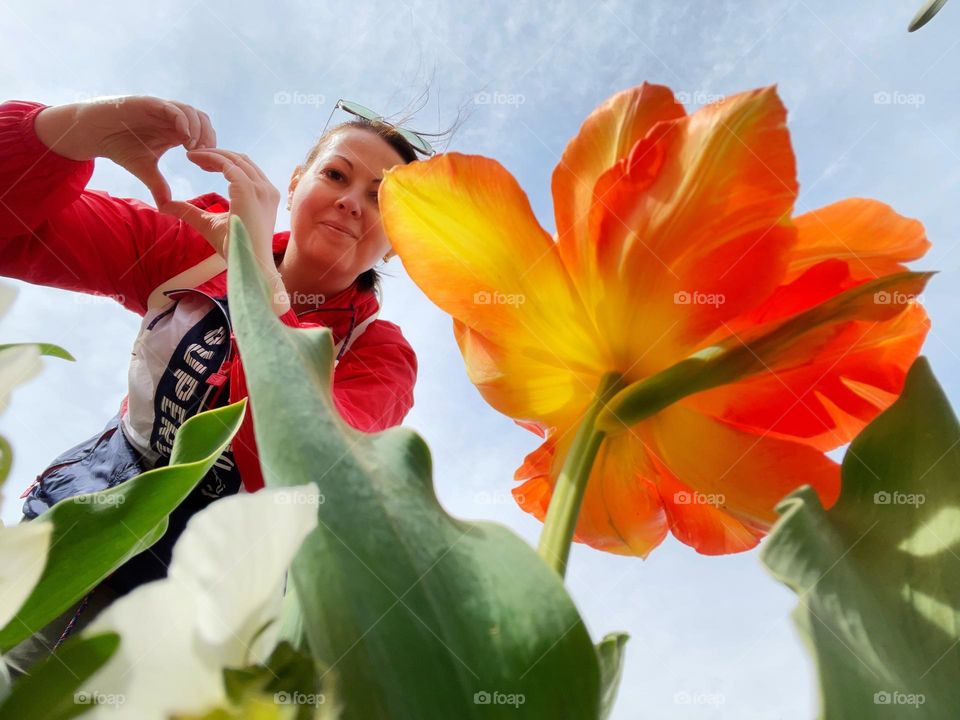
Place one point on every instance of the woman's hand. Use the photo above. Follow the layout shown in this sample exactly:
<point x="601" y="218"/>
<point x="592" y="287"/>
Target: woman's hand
<point x="253" y="199"/>
<point x="133" y="131"/>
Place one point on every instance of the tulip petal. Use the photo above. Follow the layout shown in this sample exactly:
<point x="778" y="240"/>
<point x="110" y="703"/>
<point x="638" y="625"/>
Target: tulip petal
<point x="827" y="399"/>
<point x="696" y="519"/>
<point x="827" y="396"/>
<point x="694" y="225"/>
<point x="607" y="135"/>
<point x="816" y="285"/>
<point x="520" y="385"/>
<point x="745" y="474"/>
<point x="621" y="511"/>
<point x="868" y="235"/>
<point x="763" y="348"/>
<point x="787" y="343"/>
<point x="468" y="238"/>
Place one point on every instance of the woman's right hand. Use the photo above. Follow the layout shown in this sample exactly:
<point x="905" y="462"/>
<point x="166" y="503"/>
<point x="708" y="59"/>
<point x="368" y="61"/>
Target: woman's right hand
<point x="133" y="131"/>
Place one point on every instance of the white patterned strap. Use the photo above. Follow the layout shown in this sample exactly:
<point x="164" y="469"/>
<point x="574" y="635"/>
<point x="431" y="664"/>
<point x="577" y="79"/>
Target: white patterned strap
<point x="189" y="278"/>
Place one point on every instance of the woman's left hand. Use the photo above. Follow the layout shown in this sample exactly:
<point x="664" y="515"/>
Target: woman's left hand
<point x="252" y="198"/>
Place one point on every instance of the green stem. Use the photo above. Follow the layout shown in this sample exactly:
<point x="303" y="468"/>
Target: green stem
<point x="572" y="483"/>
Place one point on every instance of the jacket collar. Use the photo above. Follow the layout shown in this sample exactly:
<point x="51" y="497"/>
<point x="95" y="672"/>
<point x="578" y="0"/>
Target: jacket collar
<point x="363" y="302"/>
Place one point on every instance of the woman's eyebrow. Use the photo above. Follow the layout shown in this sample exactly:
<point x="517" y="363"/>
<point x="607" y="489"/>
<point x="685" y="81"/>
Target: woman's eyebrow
<point x="376" y="180"/>
<point x="345" y="160"/>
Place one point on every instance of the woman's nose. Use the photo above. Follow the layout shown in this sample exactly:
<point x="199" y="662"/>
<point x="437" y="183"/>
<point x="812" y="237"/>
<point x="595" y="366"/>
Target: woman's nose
<point x="347" y="203"/>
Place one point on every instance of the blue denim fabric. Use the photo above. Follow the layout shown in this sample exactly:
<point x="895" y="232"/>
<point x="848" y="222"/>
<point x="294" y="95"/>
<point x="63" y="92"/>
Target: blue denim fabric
<point x="103" y="461"/>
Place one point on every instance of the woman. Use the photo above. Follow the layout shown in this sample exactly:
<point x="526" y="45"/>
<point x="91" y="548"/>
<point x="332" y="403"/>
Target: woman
<point x="169" y="267"/>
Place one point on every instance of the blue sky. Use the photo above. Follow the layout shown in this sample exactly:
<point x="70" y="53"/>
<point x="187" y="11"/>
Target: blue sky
<point x="714" y="628"/>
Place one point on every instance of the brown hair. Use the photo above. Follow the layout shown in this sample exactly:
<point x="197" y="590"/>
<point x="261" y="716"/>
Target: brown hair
<point x="369" y="279"/>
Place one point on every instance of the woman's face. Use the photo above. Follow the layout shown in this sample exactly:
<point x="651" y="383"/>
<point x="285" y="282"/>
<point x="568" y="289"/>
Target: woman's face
<point x="334" y="216"/>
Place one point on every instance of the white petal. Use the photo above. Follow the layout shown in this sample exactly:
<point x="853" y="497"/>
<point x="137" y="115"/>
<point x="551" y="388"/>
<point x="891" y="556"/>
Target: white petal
<point x="17" y="365"/>
<point x="8" y="293"/>
<point x="224" y="582"/>
<point x="243" y="561"/>
<point x="23" y="555"/>
<point x="159" y="668"/>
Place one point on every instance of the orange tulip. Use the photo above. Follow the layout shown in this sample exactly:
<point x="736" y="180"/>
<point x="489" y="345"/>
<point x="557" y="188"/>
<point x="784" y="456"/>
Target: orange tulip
<point x="675" y="236"/>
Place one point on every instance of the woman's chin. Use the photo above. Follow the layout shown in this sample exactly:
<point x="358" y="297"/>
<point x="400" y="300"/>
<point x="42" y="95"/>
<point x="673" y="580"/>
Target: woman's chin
<point x="322" y="238"/>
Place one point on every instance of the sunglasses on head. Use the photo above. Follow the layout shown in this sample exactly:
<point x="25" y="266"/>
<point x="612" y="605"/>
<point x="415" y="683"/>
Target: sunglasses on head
<point x="417" y="142"/>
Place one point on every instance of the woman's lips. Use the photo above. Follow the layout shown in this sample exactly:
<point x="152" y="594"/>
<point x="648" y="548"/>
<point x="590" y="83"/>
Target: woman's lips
<point x="339" y="231"/>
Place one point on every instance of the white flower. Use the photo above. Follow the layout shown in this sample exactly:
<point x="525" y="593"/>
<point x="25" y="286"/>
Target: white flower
<point x="23" y="555"/>
<point x="224" y="583"/>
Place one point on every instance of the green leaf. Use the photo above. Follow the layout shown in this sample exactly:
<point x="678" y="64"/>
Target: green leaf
<point x="419" y="613"/>
<point x="289" y="675"/>
<point x="97" y="532"/>
<point x="44" y="349"/>
<point x="610" y="650"/>
<point x="6" y="459"/>
<point x="878" y="575"/>
<point x="768" y="348"/>
<point x="18" y="363"/>
<point x="49" y="691"/>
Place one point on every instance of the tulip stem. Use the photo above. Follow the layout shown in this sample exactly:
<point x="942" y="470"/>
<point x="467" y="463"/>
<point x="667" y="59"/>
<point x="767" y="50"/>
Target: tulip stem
<point x="571" y="485"/>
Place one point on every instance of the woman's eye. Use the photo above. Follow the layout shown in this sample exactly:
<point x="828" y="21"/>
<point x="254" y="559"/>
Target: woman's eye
<point x="334" y="174"/>
<point x="373" y="196"/>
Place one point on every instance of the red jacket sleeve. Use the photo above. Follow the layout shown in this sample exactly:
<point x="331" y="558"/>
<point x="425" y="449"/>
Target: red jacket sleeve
<point x="55" y="232"/>
<point x="373" y="382"/>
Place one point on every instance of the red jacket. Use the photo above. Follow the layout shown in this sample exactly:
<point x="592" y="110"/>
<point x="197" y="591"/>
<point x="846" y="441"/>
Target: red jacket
<point x="55" y="232"/>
